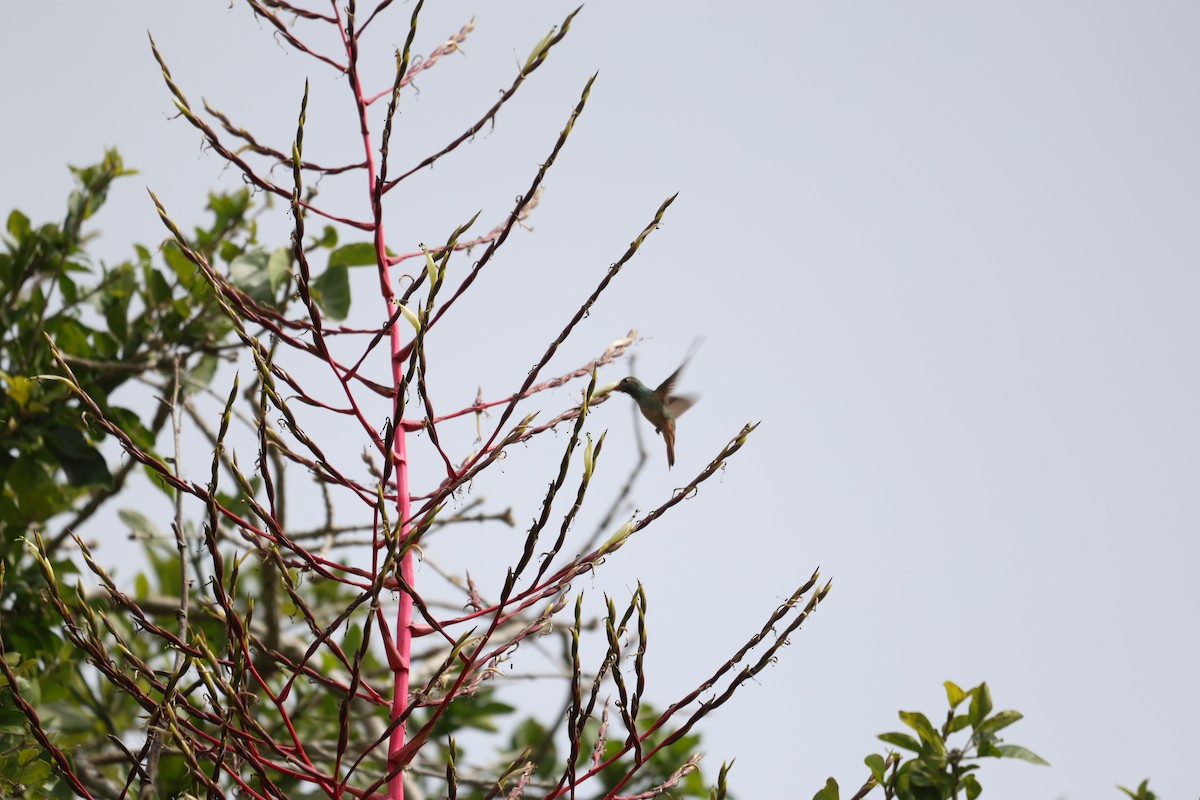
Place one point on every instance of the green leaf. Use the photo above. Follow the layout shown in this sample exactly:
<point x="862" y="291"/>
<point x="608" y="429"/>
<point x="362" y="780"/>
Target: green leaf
<point x="187" y="272"/>
<point x="954" y="694"/>
<point x="999" y="720"/>
<point x="531" y="733"/>
<point x="79" y="207"/>
<point x="69" y="291"/>
<point x="1143" y="792"/>
<point x="74" y="266"/>
<point x="958" y="723"/>
<point x="981" y="704"/>
<point x="229" y="208"/>
<point x="228" y="250"/>
<point x="114" y="302"/>
<point x="18" y="225"/>
<point x="71" y="336"/>
<point x="971" y="786"/>
<point x="331" y="290"/>
<point x="352" y="641"/>
<point x="157" y="288"/>
<point x="359" y="254"/>
<point x="35" y="774"/>
<point x="164" y="563"/>
<point x="82" y="463"/>
<point x="129" y="422"/>
<point x="878" y="767"/>
<point x="201" y="374"/>
<point x="924" y="728"/>
<point x="140" y="524"/>
<point x="19" y="388"/>
<point x="1016" y="751"/>
<point x="36" y="493"/>
<point x="830" y="792"/>
<point x="279" y="268"/>
<point x="901" y="740"/>
<point x="251" y="273"/>
<point x="328" y="238"/>
<point x="988" y="749"/>
<point x="105" y="345"/>
<point x="158" y="481"/>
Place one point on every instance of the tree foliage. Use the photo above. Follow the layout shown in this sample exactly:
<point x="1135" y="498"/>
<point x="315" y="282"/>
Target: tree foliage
<point x="269" y="651"/>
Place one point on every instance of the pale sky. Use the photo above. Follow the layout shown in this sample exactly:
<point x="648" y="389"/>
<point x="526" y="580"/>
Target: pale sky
<point x="945" y="252"/>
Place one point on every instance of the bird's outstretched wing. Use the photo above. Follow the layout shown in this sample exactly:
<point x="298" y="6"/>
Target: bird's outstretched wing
<point x="666" y="387"/>
<point x="681" y="403"/>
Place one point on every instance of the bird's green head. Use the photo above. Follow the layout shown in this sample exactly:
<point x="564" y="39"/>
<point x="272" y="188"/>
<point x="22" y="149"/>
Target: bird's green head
<point x="630" y="386"/>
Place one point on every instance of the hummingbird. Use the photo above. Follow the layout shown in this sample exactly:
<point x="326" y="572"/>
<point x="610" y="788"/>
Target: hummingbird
<point x="659" y="406"/>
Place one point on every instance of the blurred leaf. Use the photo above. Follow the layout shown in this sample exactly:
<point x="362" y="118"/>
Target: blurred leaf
<point x="34" y="774"/>
<point x="901" y="740"/>
<point x="331" y="290"/>
<point x="184" y="269"/>
<point x="954" y="694"/>
<point x="924" y="728"/>
<point x="140" y="524"/>
<point x="35" y="492"/>
<point x="352" y="641"/>
<point x="830" y="792"/>
<point x="202" y="374"/>
<point x="164" y="561"/>
<point x="229" y="205"/>
<point x="157" y="289"/>
<point x="70" y="292"/>
<point x="531" y="733"/>
<point x="981" y="704"/>
<point x="988" y="749"/>
<point x="228" y="251"/>
<point x="93" y="182"/>
<point x="251" y="273"/>
<point x="131" y="424"/>
<point x="279" y="268"/>
<point x="71" y="336"/>
<point x="479" y="712"/>
<point x="359" y="254"/>
<point x="18" y="225"/>
<point x="82" y="463"/>
<point x="958" y="723"/>
<point x="1143" y="792"/>
<point x="104" y="345"/>
<point x="1016" y="751"/>
<point x="999" y="720"/>
<point x="19" y="388"/>
<point x="328" y="239"/>
<point x="119" y="288"/>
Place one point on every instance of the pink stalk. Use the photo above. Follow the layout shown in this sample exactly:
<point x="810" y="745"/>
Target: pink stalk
<point x="401" y="661"/>
<point x="404" y="611"/>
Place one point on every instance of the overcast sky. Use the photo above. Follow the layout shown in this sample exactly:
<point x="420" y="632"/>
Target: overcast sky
<point x="945" y="252"/>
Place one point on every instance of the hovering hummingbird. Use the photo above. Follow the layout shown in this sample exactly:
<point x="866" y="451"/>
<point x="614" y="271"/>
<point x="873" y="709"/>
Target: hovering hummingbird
<point x="659" y="406"/>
